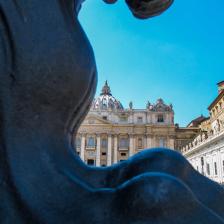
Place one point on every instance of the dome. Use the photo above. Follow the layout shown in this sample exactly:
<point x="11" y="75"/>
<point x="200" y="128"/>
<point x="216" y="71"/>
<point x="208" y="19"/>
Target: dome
<point x="106" y="101"/>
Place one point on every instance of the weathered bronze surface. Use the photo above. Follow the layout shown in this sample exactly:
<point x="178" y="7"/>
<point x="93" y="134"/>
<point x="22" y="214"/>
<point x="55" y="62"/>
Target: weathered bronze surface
<point x="48" y="79"/>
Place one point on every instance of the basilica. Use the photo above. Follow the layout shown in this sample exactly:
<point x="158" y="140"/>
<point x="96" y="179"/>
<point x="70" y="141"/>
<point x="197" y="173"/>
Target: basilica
<point x="111" y="133"/>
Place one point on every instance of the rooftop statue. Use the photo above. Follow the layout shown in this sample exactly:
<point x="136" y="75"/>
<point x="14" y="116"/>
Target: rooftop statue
<point x="48" y="80"/>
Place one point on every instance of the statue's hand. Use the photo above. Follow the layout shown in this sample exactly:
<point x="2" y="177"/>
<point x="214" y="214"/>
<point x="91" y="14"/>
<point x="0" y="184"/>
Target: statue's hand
<point x="143" y="9"/>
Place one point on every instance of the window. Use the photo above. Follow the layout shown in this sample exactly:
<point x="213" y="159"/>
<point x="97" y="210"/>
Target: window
<point x="123" y="119"/>
<point x="161" y="142"/>
<point x="215" y="166"/>
<point x="202" y="161"/>
<point x="123" y="154"/>
<point x="160" y="118"/>
<point x="91" y="142"/>
<point x="202" y="165"/>
<point x="78" y="153"/>
<point x="105" y="117"/>
<point x="139" y="120"/>
<point x="104" y="153"/>
<point x="208" y="168"/>
<point x="90" y="162"/>
<point x="124" y="143"/>
<point x="140" y="143"/>
<point x="104" y="104"/>
<point x="104" y="143"/>
<point x="78" y="142"/>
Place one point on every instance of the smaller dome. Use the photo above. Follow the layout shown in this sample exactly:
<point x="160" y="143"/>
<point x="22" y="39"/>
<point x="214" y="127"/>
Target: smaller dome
<point x="106" y="101"/>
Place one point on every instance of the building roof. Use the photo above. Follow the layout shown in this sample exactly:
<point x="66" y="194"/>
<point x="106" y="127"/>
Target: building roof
<point x="197" y="121"/>
<point x="220" y="83"/>
<point x="216" y="100"/>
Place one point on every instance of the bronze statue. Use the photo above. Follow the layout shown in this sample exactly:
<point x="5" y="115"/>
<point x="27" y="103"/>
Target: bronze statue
<point x="48" y="79"/>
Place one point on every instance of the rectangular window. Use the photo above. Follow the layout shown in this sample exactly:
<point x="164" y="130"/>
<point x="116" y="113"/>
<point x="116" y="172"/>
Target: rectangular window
<point x="161" y="142"/>
<point x="91" y="142"/>
<point x="123" y="154"/>
<point x="104" y="153"/>
<point x="124" y="143"/>
<point x="78" y="142"/>
<point x="90" y="162"/>
<point x="123" y="119"/>
<point x="160" y="118"/>
<point x="140" y="145"/>
<point x="202" y="161"/>
<point x="215" y="166"/>
<point x="104" y="143"/>
<point x="139" y="120"/>
<point x="208" y="168"/>
<point x="105" y="117"/>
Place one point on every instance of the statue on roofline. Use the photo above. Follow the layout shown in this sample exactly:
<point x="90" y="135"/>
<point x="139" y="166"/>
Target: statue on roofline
<point x="48" y="80"/>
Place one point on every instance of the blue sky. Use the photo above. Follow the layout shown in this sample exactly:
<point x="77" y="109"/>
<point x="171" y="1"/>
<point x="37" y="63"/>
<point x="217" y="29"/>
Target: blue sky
<point x="178" y="56"/>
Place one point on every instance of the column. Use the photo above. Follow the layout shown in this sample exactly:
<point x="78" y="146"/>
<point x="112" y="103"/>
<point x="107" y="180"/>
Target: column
<point x="149" y="141"/>
<point x="82" y="149"/>
<point x="98" y="150"/>
<point x="109" y="150"/>
<point x="115" y="149"/>
<point x="131" y="145"/>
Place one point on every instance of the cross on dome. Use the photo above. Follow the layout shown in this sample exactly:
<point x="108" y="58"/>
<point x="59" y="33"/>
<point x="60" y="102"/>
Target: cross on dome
<point x="106" y="89"/>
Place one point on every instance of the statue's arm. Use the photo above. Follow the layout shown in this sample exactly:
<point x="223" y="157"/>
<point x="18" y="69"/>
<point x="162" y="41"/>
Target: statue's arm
<point x="141" y="9"/>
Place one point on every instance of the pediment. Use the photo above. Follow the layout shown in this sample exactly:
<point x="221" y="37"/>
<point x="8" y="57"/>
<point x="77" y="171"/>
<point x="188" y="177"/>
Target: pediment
<point x="96" y="120"/>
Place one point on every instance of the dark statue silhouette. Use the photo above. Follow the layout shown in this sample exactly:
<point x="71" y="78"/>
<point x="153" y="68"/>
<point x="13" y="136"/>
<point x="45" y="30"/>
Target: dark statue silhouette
<point x="48" y="79"/>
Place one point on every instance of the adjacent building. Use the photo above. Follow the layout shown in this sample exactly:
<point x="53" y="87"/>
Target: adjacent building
<point x="206" y="151"/>
<point x="110" y="133"/>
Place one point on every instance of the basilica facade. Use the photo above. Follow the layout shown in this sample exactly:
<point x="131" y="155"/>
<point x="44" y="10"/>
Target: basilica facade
<point x="110" y="133"/>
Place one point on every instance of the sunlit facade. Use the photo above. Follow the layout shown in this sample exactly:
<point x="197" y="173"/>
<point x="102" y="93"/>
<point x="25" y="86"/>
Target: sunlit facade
<point x="110" y="133"/>
<point x="206" y="151"/>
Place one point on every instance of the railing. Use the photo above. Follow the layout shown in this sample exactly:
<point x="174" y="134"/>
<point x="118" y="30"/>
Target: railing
<point x="202" y="139"/>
